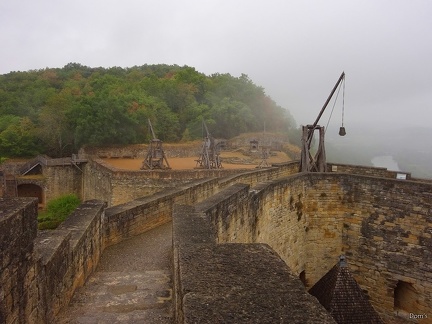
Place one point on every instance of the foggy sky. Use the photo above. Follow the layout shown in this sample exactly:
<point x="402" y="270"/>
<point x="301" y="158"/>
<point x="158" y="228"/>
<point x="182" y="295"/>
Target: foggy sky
<point x="296" y="49"/>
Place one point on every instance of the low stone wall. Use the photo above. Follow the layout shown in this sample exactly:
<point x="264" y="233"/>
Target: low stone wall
<point x="39" y="273"/>
<point x="365" y="170"/>
<point x="105" y="182"/>
<point x="69" y="255"/>
<point x="233" y="283"/>
<point x="140" y="150"/>
<point x="253" y="177"/>
<point x="136" y="217"/>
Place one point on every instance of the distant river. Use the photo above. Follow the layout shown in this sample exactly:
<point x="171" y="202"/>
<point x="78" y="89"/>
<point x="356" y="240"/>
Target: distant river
<point x="385" y="161"/>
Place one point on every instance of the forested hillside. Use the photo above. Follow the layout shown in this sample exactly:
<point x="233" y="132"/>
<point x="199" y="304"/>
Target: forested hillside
<point x="56" y="111"/>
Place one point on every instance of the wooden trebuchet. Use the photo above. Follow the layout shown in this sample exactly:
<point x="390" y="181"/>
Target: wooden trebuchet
<point x="265" y="153"/>
<point x="155" y="157"/>
<point x="210" y="153"/>
<point x="317" y="162"/>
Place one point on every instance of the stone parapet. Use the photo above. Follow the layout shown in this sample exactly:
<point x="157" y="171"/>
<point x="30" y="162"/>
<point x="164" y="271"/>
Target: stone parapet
<point x="137" y="216"/>
<point x="40" y="272"/>
<point x="18" y="229"/>
<point x="233" y="283"/>
<point x="367" y="170"/>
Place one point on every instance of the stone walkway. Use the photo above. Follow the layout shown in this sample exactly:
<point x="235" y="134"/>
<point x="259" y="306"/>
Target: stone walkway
<point x="132" y="284"/>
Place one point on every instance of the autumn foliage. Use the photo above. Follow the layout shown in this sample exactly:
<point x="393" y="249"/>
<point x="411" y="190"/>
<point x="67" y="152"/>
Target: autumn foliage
<point x="55" y="111"/>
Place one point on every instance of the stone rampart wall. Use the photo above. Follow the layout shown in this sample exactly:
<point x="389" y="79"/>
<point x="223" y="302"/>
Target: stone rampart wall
<point x="135" y="217"/>
<point x="40" y="272"/>
<point x="97" y="182"/>
<point x="54" y="180"/>
<point x="17" y="268"/>
<point x="384" y="226"/>
<point x="304" y="228"/>
<point x="253" y="177"/>
<point x="62" y="180"/>
<point x="59" y="261"/>
<point x="388" y="237"/>
<point x="69" y="255"/>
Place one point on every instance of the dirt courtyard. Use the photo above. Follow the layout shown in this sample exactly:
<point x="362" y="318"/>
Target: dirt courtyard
<point x="230" y="160"/>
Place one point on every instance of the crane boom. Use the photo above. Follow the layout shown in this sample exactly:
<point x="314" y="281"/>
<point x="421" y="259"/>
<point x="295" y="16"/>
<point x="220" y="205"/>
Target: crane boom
<point x="342" y="76"/>
<point x="207" y="131"/>
<point x="328" y="99"/>
<point x="151" y="129"/>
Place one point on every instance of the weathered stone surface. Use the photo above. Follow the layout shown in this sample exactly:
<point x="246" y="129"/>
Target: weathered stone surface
<point x="18" y="228"/>
<point x="234" y="283"/>
<point x="191" y="230"/>
<point x="242" y="283"/>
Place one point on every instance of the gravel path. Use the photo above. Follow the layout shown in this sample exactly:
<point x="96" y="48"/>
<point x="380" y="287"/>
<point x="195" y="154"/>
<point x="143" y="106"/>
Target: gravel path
<point x="132" y="284"/>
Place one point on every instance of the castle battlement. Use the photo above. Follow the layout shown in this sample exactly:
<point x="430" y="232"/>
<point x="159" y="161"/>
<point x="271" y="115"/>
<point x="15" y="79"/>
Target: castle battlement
<point x="295" y="223"/>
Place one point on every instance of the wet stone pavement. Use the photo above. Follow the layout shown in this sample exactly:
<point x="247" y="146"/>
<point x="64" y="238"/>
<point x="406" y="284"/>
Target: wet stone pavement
<point x="132" y="284"/>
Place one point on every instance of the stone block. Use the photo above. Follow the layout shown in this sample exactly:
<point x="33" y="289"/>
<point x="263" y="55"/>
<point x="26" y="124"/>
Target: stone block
<point x="242" y="283"/>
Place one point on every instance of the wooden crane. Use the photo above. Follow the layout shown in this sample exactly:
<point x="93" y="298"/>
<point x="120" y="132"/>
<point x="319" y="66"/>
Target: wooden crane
<point x="317" y="162"/>
<point x="210" y="156"/>
<point x="155" y="155"/>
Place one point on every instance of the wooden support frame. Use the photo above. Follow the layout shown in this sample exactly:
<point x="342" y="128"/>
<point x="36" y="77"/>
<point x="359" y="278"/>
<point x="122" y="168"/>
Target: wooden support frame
<point x="155" y="155"/>
<point x="210" y="152"/>
<point x="210" y="156"/>
<point x="308" y="161"/>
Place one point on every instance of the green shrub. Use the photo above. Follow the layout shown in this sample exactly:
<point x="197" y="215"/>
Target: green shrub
<point x="57" y="210"/>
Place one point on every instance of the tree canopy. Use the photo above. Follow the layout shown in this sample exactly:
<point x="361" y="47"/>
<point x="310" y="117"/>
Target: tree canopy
<point x="57" y="110"/>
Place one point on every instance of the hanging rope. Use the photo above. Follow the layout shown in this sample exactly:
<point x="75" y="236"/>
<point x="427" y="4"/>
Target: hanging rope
<point x="343" y="103"/>
<point x="331" y="113"/>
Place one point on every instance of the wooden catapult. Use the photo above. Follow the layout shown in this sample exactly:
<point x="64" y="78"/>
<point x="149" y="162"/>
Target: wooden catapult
<point x="317" y="162"/>
<point x="265" y="154"/>
<point x="155" y="155"/>
<point x="210" y="152"/>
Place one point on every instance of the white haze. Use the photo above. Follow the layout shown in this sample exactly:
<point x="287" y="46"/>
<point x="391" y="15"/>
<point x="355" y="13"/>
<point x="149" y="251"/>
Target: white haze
<point x="294" y="49"/>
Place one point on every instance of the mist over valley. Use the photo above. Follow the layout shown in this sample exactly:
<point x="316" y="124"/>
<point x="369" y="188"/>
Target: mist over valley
<point x="410" y="147"/>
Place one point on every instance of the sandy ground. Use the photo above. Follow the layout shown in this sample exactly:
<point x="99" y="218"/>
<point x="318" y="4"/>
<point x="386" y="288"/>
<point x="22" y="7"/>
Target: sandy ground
<point x="190" y="162"/>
